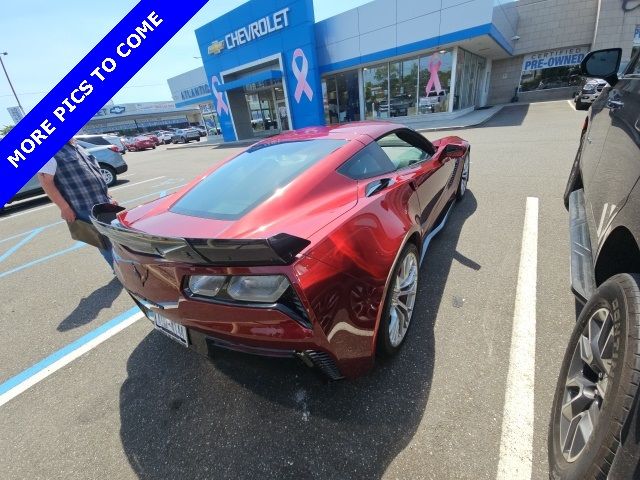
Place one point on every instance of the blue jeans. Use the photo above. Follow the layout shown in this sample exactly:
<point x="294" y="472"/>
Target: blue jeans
<point x="106" y="254"/>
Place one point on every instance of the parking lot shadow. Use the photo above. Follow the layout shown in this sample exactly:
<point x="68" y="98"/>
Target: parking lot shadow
<point x="243" y="417"/>
<point x="89" y="307"/>
<point x="509" y="116"/>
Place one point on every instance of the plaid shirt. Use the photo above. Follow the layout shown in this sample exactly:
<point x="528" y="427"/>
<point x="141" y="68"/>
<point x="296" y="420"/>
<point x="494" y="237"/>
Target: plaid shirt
<point x="79" y="180"/>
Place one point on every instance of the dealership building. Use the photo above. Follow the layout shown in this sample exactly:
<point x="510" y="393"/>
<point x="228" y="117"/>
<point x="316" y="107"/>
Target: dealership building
<point x="134" y="118"/>
<point x="269" y="66"/>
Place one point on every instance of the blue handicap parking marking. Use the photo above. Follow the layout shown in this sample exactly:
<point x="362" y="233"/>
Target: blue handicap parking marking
<point x="21" y="243"/>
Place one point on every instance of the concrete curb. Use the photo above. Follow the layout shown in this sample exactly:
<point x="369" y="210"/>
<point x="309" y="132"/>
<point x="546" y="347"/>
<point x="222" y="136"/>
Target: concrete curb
<point x="497" y="110"/>
<point x="193" y="145"/>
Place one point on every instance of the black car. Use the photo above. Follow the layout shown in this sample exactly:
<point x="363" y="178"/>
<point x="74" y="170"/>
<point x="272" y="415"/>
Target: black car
<point x="594" y="431"/>
<point x="185" y="135"/>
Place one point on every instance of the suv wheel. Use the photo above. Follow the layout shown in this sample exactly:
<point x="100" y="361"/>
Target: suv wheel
<point x="109" y="174"/>
<point x="399" y="303"/>
<point x="598" y="382"/>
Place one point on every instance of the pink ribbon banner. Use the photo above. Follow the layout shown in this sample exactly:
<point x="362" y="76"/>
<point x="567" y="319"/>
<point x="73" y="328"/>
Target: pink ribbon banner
<point x="301" y="75"/>
<point x="221" y="105"/>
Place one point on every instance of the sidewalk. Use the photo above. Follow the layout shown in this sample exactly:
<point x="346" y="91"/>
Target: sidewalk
<point x="474" y="118"/>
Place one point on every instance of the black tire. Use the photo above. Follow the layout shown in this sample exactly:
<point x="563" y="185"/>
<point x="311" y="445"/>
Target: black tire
<point x="385" y="346"/>
<point x="462" y="188"/>
<point x="620" y="297"/>
<point x="154" y="147"/>
<point x="184" y="140"/>
<point x="111" y="177"/>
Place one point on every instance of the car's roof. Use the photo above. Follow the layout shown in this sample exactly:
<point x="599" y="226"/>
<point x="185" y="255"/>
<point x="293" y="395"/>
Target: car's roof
<point x="349" y="131"/>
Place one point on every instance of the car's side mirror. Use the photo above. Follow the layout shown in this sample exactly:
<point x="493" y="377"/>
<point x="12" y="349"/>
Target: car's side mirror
<point x="602" y="64"/>
<point x="454" y="151"/>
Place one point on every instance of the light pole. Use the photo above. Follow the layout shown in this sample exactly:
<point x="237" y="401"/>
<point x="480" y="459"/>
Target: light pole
<point x="9" y="80"/>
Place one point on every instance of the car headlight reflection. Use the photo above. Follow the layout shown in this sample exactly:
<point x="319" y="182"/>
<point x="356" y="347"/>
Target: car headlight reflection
<point x="206" y="285"/>
<point x="262" y="289"/>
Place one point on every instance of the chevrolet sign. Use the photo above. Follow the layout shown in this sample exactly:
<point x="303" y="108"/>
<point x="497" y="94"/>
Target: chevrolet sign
<point x="253" y="31"/>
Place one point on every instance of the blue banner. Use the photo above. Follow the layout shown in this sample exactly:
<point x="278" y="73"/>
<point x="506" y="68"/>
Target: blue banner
<point x="87" y="88"/>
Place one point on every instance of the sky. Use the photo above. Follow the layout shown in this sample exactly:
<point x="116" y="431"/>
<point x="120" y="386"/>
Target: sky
<point x="48" y="38"/>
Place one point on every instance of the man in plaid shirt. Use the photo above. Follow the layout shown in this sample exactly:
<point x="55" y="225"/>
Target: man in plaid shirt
<point x="73" y="181"/>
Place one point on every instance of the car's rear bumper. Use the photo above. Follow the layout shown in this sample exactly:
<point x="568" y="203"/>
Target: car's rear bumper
<point x="122" y="168"/>
<point x="260" y="330"/>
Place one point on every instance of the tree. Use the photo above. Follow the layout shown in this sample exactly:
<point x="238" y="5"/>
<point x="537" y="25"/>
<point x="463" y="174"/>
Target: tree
<point x="6" y="129"/>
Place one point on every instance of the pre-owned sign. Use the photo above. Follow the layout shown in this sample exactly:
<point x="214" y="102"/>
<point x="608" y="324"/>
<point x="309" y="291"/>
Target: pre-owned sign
<point x="554" y="58"/>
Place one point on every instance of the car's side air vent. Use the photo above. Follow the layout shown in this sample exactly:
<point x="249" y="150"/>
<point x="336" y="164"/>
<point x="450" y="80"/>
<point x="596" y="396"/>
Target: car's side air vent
<point x="325" y="364"/>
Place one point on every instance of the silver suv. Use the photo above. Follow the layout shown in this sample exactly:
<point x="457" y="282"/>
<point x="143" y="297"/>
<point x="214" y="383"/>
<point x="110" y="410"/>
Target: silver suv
<point x="590" y="91"/>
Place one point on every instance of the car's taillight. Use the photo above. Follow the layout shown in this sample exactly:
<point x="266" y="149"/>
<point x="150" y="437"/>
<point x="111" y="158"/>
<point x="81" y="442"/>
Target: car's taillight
<point x="270" y="291"/>
<point x="113" y="148"/>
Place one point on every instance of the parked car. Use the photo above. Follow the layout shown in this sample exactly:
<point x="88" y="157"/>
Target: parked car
<point x="111" y="165"/>
<point x="589" y="93"/>
<point x="104" y="140"/>
<point x="154" y="138"/>
<point x="139" y="143"/>
<point x="595" y="420"/>
<point x="300" y="246"/>
<point x="201" y="130"/>
<point x="185" y="135"/>
<point x="164" y="136"/>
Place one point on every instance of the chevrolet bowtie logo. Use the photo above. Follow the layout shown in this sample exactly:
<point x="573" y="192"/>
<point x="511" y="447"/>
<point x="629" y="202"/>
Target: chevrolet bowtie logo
<point x="216" y="47"/>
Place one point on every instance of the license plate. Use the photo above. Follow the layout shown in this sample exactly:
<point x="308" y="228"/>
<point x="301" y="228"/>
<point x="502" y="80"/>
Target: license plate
<point x="171" y="329"/>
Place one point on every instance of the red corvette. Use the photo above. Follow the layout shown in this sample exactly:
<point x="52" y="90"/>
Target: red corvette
<point x="307" y="244"/>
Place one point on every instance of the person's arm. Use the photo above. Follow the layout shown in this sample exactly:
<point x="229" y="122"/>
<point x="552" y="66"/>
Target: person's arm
<point x="49" y="187"/>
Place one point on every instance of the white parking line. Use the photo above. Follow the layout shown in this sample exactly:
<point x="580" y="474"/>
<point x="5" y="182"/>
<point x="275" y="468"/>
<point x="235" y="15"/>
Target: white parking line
<point x="572" y="104"/>
<point x="516" y="442"/>
<point x="32" y="210"/>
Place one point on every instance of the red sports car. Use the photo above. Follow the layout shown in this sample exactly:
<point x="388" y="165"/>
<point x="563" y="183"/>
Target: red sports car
<point x="307" y="244"/>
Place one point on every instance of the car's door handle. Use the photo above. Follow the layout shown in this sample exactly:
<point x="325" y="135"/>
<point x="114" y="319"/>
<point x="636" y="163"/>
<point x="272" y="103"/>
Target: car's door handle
<point x="377" y="186"/>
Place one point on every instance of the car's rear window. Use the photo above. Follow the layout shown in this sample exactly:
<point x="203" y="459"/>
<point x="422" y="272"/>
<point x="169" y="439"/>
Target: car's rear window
<point x="252" y="177"/>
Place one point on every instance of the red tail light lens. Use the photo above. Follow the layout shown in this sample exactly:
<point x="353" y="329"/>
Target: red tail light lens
<point x="113" y="148"/>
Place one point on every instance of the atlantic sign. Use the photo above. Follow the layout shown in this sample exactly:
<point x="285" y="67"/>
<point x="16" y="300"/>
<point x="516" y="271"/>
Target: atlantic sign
<point x="264" y="26"/>
<point x="554" y="58"/>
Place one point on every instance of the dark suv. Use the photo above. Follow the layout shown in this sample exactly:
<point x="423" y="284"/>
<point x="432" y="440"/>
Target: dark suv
<point x="594" y="430"/>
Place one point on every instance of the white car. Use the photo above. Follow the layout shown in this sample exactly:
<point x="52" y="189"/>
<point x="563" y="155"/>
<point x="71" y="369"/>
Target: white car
<point x="164" y="136"/>
<point x="589" y="93"/>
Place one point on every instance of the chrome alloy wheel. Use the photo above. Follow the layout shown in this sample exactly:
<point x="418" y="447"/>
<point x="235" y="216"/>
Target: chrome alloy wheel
<point x="403" y="298"/>
<point x="464" y="179"/>
<point x="586" y="384"/>
<point x="107" y="175"/>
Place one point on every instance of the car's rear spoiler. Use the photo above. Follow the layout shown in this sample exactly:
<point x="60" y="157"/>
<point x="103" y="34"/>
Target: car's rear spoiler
<point x="280" y="249"/>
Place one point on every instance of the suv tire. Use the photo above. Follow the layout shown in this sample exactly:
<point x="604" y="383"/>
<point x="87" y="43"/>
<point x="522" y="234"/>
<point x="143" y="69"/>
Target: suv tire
<point x="600" y="389"/>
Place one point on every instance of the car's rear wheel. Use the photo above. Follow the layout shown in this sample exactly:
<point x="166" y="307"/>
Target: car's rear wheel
<point x="399" y="303"/>
<point x="109" y="174"/>
<point x="597" y="384"/>
<point x="464" y="178"/>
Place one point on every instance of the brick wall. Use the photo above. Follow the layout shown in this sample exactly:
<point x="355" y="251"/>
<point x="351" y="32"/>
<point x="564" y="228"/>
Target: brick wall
<point x="616" y="27"/>
<point x="549" y="24"/>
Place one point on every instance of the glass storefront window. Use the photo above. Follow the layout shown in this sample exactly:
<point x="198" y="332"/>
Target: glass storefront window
<point x="376" y="91"/>
<point x="555" y="77"/>
<point x="403" y="79"/>
<point x="435" y="82"/>
<point x="341" y="98"/>
<point x="470" y="71"/>
<point x="348" y="96"/>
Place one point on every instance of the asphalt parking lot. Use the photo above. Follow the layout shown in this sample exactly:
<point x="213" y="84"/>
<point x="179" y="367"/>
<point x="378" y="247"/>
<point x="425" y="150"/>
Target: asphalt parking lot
<point x="140" y="406"/>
